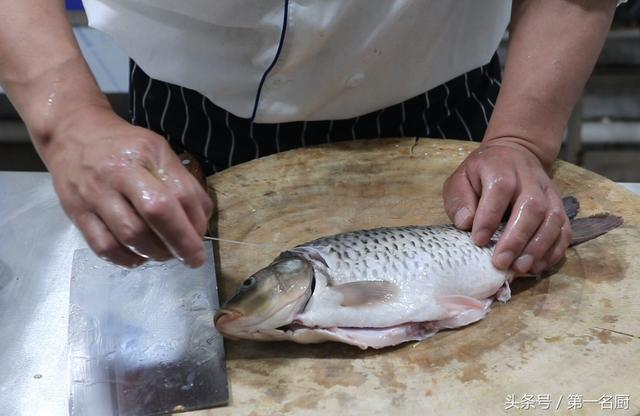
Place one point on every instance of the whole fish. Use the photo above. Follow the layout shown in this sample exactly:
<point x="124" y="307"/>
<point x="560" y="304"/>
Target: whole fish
<point x="380" y="287"/>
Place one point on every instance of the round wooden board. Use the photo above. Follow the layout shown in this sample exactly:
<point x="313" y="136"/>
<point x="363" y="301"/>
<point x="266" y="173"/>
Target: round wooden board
<point x="576" y="332"/>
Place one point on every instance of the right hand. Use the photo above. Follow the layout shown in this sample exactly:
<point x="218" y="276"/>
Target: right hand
<point x="127" y="191"/>
<point x="503" y="176"/>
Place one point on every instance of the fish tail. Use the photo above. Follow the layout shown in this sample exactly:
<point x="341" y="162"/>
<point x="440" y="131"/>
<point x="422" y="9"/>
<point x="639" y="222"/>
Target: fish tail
<point x="588" y="228"/>
<point x="571" y="206"/>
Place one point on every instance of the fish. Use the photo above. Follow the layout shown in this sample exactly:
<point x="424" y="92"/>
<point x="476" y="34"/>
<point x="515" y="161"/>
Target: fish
<point x="379" y="287"/>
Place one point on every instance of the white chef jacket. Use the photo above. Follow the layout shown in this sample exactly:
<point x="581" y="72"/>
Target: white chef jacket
<point x="289" y="60"/>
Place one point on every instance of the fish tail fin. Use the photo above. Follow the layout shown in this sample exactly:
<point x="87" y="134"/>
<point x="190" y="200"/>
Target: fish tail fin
<point x="588" y="228"/>
<point x="571" y="206"/>
<point x="585" y="229"/>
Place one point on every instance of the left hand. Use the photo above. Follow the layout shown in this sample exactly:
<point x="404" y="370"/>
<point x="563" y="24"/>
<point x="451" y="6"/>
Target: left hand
<point x="502" y="174"/>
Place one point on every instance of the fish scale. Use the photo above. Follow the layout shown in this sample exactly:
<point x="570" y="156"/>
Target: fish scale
<point x="408" y="251"/>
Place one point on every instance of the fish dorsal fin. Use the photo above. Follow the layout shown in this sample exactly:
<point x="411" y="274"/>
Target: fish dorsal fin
<point x="456" y="302"/>
<point x="366" y="292"/>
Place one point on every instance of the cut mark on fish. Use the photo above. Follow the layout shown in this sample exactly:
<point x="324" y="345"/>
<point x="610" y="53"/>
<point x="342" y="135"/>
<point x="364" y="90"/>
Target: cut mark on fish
<point x="366" y="292"/>
<point x="308" y="252"/>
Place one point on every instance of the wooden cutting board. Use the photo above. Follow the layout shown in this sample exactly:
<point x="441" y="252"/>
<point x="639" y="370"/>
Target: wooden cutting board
<point x="574" y="333"/>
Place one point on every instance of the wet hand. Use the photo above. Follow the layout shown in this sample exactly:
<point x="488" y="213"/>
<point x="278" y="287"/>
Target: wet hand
<point x="504" y="175"/>
<point x="127" y="191"/>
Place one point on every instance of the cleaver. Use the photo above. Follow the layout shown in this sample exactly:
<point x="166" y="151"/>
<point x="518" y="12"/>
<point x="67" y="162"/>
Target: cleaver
<point x="142" y="341"/>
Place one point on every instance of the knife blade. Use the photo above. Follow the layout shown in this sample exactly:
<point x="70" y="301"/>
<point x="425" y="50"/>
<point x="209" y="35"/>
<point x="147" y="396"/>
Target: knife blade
<point x="142" y="341"/>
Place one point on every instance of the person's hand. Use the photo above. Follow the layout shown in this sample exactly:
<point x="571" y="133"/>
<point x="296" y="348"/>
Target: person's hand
<point x="495" y="177"/>
<point x="127" y="191"/>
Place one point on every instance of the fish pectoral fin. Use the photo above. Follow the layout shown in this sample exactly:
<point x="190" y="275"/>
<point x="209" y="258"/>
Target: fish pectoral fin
<point x="366" y="292"/>
<point x="457" y="302"/>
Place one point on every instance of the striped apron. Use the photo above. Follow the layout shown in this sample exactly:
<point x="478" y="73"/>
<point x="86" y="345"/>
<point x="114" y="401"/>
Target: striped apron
<point x="458" y="109"/>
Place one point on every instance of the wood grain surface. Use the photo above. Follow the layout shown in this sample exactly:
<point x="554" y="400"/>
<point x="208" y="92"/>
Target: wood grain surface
<point x="575" y="332"/>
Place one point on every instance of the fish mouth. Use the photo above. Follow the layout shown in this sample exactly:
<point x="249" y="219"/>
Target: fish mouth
<point x="281" y="333"/>
<point x="229" y="322"/>
<point x="295" y="326"/>
<point x="224" y="316"/>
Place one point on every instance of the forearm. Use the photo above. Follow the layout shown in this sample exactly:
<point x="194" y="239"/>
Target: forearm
<point x="42" y="68"/>
<point x="553" y="47"/>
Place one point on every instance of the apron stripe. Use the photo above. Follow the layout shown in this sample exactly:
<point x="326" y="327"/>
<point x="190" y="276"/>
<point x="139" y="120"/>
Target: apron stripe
<point x="204" y="111"/>
<point x="253" y="139"/>
<point x="233" y="138"/>
<point x="166" y="107"/>
<point x="378" y="122"/>
<point x="424" y="114"/>
<point x="278" y="138"/>
<point x="144" y="103"/>
<point x="466" y="84"/>
<point x="446" y="99"/>
<point x="133" y="93"/>
<point x="353" y="128"/>
<point x="484" y="113"/>
<point x="466" y="128"/>
<point x="329" y="131"/>
<point x="492" y="79"/>
<point x="404" y="118"/>
<point x="186" y="115"/>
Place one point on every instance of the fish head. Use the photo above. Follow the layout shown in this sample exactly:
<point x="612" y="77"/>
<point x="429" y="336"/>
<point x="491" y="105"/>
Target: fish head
<point x="267" y="300"/>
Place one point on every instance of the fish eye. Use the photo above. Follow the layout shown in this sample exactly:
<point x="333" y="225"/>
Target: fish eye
<point x="249" y="282"/>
